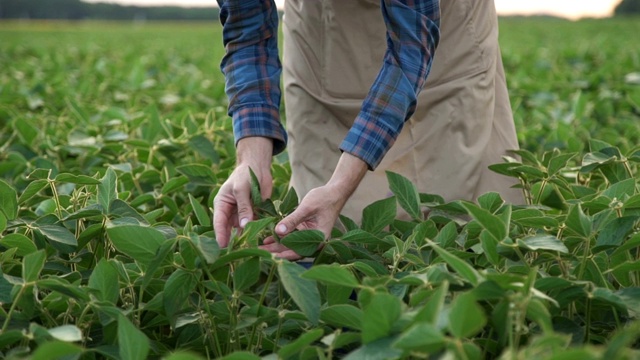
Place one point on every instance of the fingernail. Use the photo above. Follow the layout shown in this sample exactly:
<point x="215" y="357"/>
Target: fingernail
<point x="243" y="222"/>
<point x="282" y="228"/>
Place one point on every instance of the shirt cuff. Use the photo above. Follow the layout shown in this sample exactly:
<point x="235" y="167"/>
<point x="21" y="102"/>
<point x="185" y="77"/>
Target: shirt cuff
<point x="259" y="120"/>
<point x="369" y="141"/>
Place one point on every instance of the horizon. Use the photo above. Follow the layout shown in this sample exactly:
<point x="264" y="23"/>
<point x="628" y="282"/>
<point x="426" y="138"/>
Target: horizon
<point x="570" y="9"/>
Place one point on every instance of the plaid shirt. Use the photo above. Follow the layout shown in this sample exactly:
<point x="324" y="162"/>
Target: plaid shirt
<point x="252" y="71"/>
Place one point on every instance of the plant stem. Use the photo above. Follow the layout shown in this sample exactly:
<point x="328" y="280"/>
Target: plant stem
<point x="585" y="257"/>
<point x="260" y="302"/>
<point x="587" y="326"/>
<point x="12" y="309"/>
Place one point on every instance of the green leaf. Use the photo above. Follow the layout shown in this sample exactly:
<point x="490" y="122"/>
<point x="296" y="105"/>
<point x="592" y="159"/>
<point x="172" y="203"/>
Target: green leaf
<point x="378" y="350"/>
<point x="406" y="193"/>
<point x="433" y="307"/>
<point x="176" y="292"/>
<point x="543" y="242"/>
<point x="165" y="249"/>
<point x="198" y="174"/>
<point x="256" y="195"/>
<point x="490" y="201"/>
<point x="493" y="224"/>
<point x="303" y="292"/>
<point x="3" y="223"/>
<point x="6" y="289"/>
<point x="121" y="209"/>
<point x="68" y="333"/>
<point x="63" y="287"/>
<point x="104" y="279"/>
<point x="240" y="254"/>
<point x="22" y="243"/>
<point x="78" y="179"/>
<point x="490" y="247"/>
<point x="201" y="213"/>
<point x="614" y="233"/>
<point x="10" y="337"/>
<point x="460" y="266"/>
<point x="8" y="201"/>
<point x="138" y="242"/>
<point x="559" y="162"/>
<point x="538" y="312"/>
<point x="379" y="316"/>
<point x="203" y="146"/>
<point x="466" y="317"/>
<point x="421" y="337"/>
<point x="246" y="274"/>
<point x="620" y="189"/>
<point x="32" y="264"/>
<point x="296" y="346"/>
<point x="343" y="316"/>
<point x="253" y="228"/>
<point x="58" y="234"/>
<point x="209" y="248"/>
<point x="379" y="215"/>
<point x="134" y="345"/>
<point x="333" y="274"/>
<point x="290" y="202"/>
<point x="107" y="192"/>
<point x="578" y="221"/>
<point x="56" y="350"/>
<point x="240" y="355"/>
<point x="31" y="190"/>
<point x="174" y="184"/>
<point x="303" y="242"/>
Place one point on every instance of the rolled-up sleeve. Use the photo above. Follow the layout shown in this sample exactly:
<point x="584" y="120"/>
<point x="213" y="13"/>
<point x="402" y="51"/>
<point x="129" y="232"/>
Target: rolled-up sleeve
<point x="413" y="33"/>
<point x="252" y="69"/>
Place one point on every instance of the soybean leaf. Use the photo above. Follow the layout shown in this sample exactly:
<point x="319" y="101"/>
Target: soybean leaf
<point x="543" y="242"/>
<point x="490" y="247"/>
<point x="490" y="201"/>
<point x="107" y="189"/>
<point x="333" y="274"/>
<point x="22" y="243"/>
<point x="493" y="224"/>
<point x="422" y="337"/>
<point x="578" y="221"/>
<point x="59" y="285"/>
<point x="32" y="264"/>
<point x="163" y="252"/>
<point x="201" y="213"/>
<point x="238" y="355"/>
<point x="303" y="242"/>
<point x="614" y="233"/>
<point x="433" y="307"/>
<point x="104" y="279"/>
<point x="209" y="248"/>
<point x="31" y="190"/>
<point x="304" y="292"/>
<point x="174" y="184"/>
<point x="58" y="234"/>
<point x="379" y="215"/>
<point x="121" y="209"/>
<point x="138" y="242"/>
<point x="198" y="174"/>
<point x="76" y="179"/>
<point x="289" y="202"/>
<point x="620" y="189"/>
<point x="203" y="146"/>
<point x="379" y="316"/>
<point x="253" y="228"/>
<point x="240" y="254"/>
<point x="176" y="292"/>
<point x="256" y="195"/>
<point x="300" y="343"/>
<point x="68" y="333"/>
<point x="378" y="350"/>
<point x="466" y="317"/>
<point x="246" y="274"/>
<point x="8" y="200"/>
<point x="56" y="350"/>
<point x="134" y="345"/>
<point x="406" y="193"/>
<point x="343" y="315"/>
<point x="538" y="312"/>
<point x="3" y="223"/>
<point x="460" y="266"/>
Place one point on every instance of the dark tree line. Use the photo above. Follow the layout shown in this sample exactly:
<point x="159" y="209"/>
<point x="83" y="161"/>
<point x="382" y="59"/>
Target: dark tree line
<point x="628" y="7"/>
<point x="78" y="10"/>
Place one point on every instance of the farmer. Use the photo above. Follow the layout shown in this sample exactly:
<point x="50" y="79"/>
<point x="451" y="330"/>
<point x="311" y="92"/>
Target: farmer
<point x="355" y="75"/>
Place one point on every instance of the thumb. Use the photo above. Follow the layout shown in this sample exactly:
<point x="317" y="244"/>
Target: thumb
<point x="290" y="222"/>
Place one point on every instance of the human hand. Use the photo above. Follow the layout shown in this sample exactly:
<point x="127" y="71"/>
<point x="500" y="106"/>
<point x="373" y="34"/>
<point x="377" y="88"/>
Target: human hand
<point x="232" y="206"/>
<point x="321" y="207"/>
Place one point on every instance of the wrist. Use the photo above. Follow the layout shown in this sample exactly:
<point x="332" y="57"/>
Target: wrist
<point x="347" y="176"/>
<point x="254" y="151"/>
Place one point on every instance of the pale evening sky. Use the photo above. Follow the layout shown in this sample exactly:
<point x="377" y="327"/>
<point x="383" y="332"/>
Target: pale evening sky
<point x="573" y="9"/>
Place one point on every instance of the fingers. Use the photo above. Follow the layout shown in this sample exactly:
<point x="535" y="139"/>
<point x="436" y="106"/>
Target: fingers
<point x="291" y="221"/>
<point x="242" y="195"/>
<point x="222" y="221"/>
<point x="280" y="251"/>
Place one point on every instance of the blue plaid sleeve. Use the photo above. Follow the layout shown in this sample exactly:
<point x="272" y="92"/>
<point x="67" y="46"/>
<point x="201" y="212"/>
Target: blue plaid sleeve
<point x="252" y="69"/>
<point x="413" y="34"/>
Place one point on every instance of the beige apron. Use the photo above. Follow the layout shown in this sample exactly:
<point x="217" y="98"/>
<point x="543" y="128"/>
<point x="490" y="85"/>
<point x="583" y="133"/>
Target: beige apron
<point x="333" y="50"/>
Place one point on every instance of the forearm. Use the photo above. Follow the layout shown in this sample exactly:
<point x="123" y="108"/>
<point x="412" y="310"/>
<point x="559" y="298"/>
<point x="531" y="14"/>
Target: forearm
<point x="347" y="176"/>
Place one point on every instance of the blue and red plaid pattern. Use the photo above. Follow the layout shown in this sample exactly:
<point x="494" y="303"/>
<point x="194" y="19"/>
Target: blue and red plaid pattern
<point x="252" y="71"/>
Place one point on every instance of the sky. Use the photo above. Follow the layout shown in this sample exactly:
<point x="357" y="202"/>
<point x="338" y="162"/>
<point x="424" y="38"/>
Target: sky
<point x="573" y="9"/>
